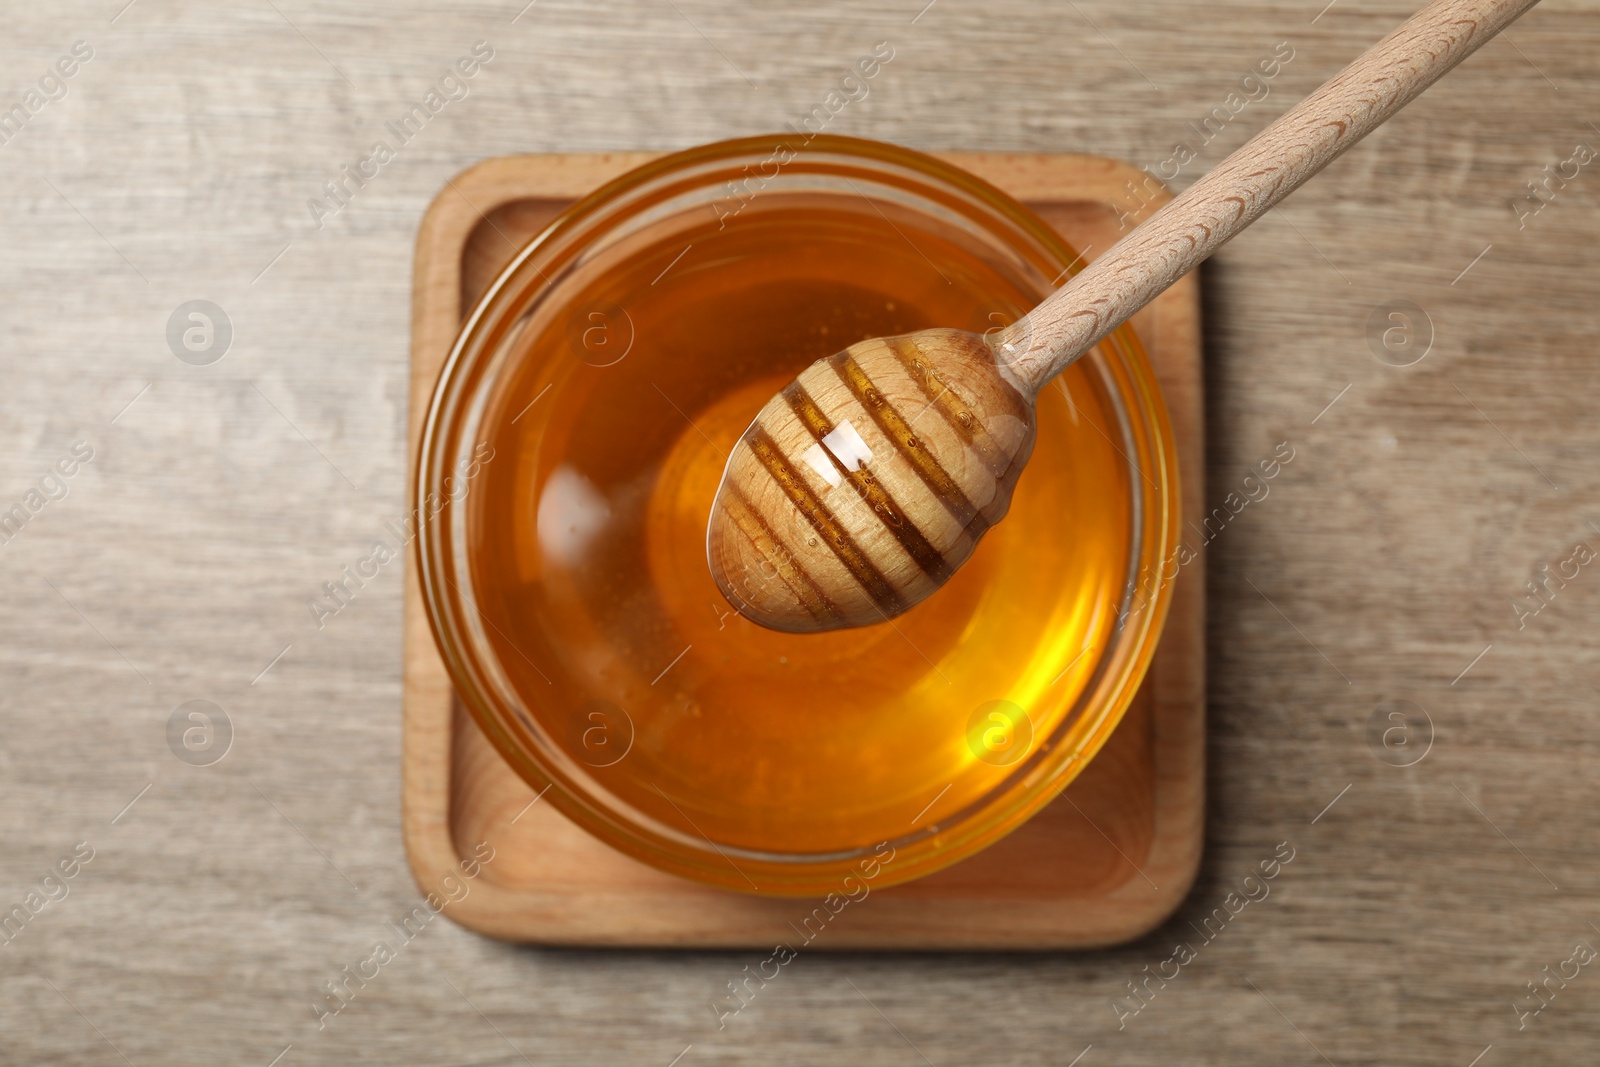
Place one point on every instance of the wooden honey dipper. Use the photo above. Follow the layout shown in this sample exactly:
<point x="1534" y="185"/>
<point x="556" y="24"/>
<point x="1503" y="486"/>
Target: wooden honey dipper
<point x="842" y="506"/>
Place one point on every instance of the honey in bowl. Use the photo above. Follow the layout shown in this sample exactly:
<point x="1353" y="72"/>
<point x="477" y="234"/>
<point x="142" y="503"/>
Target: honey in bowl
<point x="588" y="537"/>
<point x="611" y="367"/>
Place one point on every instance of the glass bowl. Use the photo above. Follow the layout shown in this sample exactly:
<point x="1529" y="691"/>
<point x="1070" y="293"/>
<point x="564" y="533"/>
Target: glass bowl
<point x="568" y="462"/>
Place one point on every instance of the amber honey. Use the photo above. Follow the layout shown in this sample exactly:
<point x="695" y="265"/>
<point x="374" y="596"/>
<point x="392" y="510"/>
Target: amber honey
<point x="586" y="535"/>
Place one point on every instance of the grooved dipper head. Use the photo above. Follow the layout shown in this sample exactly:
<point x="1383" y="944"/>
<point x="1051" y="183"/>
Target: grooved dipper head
<point x="862" y="486"/>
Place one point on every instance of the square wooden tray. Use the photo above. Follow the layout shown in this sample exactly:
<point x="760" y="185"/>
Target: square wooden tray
<point x="1105" y="862"/>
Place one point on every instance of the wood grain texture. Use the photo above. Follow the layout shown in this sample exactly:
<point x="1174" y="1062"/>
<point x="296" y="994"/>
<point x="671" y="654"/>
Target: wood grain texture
<point x="1100" y="865"/>
<point x="1247" y="184"/>
<point x="1389" y="549"/>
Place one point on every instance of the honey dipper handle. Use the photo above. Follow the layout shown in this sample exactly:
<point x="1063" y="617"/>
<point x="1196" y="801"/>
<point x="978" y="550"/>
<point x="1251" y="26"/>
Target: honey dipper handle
<point x="1242" y="187"/>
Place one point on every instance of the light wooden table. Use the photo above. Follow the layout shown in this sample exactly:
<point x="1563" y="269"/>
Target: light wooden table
<point x="1383" y="565"/>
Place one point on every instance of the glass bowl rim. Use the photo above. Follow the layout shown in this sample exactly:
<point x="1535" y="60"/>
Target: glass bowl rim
<point x="997" y="811"/>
